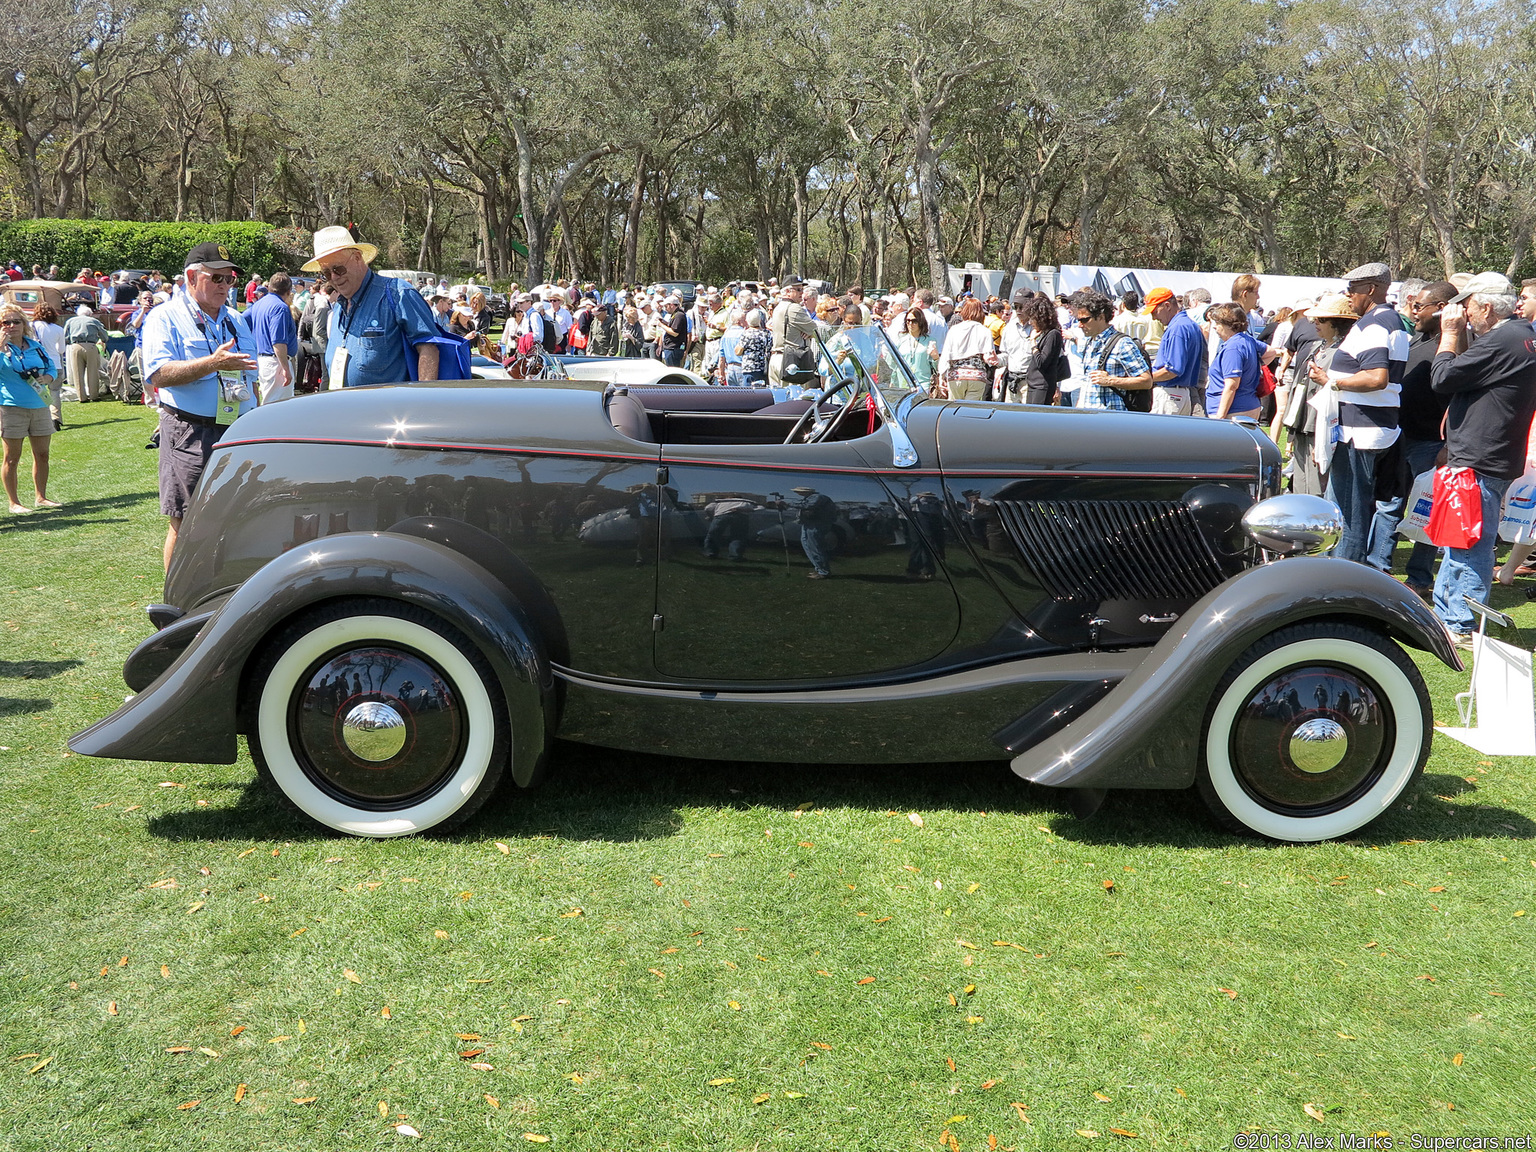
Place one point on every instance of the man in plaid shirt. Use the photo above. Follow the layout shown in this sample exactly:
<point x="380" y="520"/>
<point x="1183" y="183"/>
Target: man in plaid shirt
<point x="1112" y="363"/>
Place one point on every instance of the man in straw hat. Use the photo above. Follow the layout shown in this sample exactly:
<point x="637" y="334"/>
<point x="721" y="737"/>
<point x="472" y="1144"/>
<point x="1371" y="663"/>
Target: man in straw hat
<point x="200" y="356"/>
<point x="374" y="319"/>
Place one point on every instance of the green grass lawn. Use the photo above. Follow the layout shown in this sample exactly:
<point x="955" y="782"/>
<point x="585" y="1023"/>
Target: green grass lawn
<point x="650" y="953"/>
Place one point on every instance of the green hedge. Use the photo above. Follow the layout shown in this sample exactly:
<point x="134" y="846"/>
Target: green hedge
<point x="112" y="244"/>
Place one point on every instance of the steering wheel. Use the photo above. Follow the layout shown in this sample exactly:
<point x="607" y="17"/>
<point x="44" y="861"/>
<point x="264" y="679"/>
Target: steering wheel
<point x="820" y="430"/>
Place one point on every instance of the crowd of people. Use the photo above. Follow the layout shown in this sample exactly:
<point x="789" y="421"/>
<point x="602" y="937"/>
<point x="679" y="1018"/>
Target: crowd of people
<point x="1366" y="392"/>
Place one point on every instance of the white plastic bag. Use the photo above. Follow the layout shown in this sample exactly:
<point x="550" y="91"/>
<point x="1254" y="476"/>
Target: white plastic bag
<point x="1518" y="524"/>
<point x="1416" y="509"/>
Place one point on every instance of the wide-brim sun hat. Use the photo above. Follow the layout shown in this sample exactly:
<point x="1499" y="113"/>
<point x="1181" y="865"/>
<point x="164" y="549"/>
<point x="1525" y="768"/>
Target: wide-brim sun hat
<point x="329" y="241"/>
<point x="1334" y="306"/>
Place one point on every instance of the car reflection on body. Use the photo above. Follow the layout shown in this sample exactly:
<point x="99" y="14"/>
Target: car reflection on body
<point x="1105" y="600"/>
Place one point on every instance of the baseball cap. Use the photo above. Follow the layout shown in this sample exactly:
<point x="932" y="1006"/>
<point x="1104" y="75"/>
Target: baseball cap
<point x="1158" y="296"/>
<point x="1485" y="282"/>
<point x="210" y="254"/>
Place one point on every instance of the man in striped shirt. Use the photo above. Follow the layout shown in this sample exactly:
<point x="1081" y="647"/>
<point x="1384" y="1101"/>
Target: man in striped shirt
<point x="1367" y="371"/>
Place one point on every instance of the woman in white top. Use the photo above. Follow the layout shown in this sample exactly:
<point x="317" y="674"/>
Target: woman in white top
<point x="50" y="334"/>
<point x="969" y="354"/>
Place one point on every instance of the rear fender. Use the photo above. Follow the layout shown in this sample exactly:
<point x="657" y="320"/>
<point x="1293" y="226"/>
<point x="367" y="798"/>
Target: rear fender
<point x="1146" y="732"/>
<point x="192" y="712"/>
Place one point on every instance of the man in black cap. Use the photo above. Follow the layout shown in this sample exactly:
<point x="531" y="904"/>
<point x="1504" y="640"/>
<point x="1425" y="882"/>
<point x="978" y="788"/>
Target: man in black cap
<point x="199" y="355"/>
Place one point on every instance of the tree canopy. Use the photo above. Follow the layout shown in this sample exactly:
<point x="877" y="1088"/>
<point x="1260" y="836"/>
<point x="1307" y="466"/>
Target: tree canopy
<point x="711" y="138"/>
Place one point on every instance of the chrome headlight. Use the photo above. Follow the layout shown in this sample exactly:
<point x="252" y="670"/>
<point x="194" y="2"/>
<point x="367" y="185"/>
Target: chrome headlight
<point x="1295" y="524"/>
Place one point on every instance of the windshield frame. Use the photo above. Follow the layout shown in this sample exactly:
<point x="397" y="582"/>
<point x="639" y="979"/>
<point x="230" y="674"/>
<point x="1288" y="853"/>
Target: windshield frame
<point x="903" y="451"/>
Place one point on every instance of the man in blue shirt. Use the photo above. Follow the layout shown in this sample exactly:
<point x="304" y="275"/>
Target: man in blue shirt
<point x="374" y="319"/>
<point x="1176" y="368"/>
<point x="199" y="355"/>
<point x="277" y="339"/>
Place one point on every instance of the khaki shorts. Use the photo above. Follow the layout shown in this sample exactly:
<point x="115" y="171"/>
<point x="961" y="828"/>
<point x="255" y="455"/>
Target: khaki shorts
<point x="17" y="423"/>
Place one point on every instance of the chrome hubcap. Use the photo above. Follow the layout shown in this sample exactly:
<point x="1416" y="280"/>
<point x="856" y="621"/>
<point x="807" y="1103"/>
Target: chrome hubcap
<point x="380" y="727"/>
<point x="1318" y="745"/>
<point x="1311" y="739"/>
<point x="373" y="731"/>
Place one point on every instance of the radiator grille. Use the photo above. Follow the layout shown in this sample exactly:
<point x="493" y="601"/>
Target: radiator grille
<point x="1113" y="549"/>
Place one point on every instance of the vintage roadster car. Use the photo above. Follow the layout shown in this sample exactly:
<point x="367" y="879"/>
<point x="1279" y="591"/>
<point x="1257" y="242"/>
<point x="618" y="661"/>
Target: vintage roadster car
<point x="400" y="595"/>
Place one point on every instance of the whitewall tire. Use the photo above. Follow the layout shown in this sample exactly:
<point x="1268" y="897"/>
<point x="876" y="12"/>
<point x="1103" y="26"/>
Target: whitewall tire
<point x="376" y="718"/>
<point x="1314" y="732"/>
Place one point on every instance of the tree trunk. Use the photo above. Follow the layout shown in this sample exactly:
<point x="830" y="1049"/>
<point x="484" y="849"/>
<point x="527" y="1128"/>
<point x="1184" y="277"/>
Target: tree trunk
<point x="928" y="200"/>
<point x="426" y="227"/>
<point x="802" y="225"/>
<point x="632" y="222"/>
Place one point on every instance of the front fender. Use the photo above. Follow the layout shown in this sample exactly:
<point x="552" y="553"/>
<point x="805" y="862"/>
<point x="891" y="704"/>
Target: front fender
<point x="1146" y="732"/>
<point x="191" y="713"/>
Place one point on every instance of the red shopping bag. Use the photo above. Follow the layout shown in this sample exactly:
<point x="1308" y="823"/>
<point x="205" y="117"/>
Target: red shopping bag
<point x="1456" y="520"/>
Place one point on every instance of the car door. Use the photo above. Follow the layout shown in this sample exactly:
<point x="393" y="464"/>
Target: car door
<point x="747" y="530"/>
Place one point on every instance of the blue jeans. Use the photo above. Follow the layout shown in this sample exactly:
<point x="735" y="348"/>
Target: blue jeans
<point x="1420" y="457"/>
<point x="815" y="549"/>
<point x="1469" y="571"/>
<point x="672" y="357"/>
<point x="1352" y="486"/>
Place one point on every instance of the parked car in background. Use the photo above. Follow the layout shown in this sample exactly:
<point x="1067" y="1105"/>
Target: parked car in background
<point x="417" y="278"/>
<point x="400" y="595"/>
<point x="64" y="297"/>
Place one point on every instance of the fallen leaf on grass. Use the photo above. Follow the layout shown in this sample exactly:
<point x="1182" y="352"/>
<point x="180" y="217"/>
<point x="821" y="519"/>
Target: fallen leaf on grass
<point x="794" y="1095"/>
<point x="407" y="1130"/>
<point x="209" y="1052"/>
<point x="719" y="1080"/>
<point x="989" y="1084"/>
<point x="1314" y="1111"/>
<point x="112" y="1008"/>
<point x="1344" y="1036"/>
<point x="917" y="821"/>
<point x="535" y="1138"/>
<point x="239" y="1093"/>
<point x="503" y="849"/>
<point x="279" y="1039"/>
<point x="1087" y="1133"/>
<point x="133" y="808"/>
<point x="1438" y="888"/>
<point x="867" y="980"/>
<point x="950" y="1060"/>
<point x="1431" y="979"/>
<point x="467" y="1035"/>
<point x="305" y="1099"/>
<point x="819" y="1044"/>
<point x="762" y="1097"/>
<point x="657" y="972"/>
<point x="440" y="934"/>
<point x="574" y="1077"/>
<point x="1457" y="1059"/>
<point x="40" y="1065"/>
<point x="385" y="1012"/>
<point x="352" y="977"/>
<point x="969" y="989"/>
<point x="571" y="913"/>
<point x="297" y="932"/>
<point x="165" y="971"/>
<point x="492" y="1101"/>
<point x="1123" y="1132"/>
<point x="481" y="1066"/>
<point x="168" y="882"/>
<point x="735" y="1007"/>
<point x="177" y="1051"/>
<point x="188" y="1106"/>
<point x="974" y="1019"/>
<point x="471" y="1053"/>
<point x="1101" y="1098"/>
<point x="1109" y="885"/>
<point x="171" y="784"/>
<point x="1231" y="993"/>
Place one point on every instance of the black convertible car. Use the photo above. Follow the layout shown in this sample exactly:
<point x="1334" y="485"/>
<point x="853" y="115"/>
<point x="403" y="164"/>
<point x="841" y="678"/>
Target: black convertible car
<point x="400" y="595"/>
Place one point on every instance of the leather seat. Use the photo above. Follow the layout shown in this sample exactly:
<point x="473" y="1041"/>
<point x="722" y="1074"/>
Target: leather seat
<point x="629" y="418"/>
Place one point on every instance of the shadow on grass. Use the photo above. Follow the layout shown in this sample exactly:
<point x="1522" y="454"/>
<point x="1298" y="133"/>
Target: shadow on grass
<point x="15" y="706"/>
<point x="76" y="513"/>
<point x="600" y="794"/>
<point x="35" y="669"/>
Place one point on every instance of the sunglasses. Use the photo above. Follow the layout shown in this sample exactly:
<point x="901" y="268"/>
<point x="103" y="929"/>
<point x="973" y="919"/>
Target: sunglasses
<point x="335" y="270"/>
<point x="11" y="323"/>
<point x="221" y="277"/>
